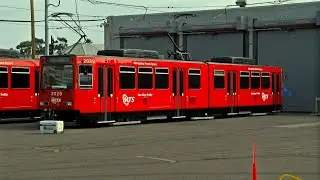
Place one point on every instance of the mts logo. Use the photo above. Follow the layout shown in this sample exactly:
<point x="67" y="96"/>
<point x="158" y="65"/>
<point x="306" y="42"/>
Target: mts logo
<point x="127" y="99"/>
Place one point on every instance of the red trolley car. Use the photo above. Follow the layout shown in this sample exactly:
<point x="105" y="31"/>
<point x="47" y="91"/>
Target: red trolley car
<point x="19" y="81"/>
<point x="115" y="89"/>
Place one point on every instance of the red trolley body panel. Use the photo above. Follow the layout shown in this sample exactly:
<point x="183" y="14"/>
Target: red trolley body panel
<point x="56" y="83"/>
<point x="73" y="84"/>
<point x="19" y="85"/>
<point x="195" y="85"/>
<point x="144" y="85"/>
<point x="238" y="86"/>
<point x="86" y="97"/>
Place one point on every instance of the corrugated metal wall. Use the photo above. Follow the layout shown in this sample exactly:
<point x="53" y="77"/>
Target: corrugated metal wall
<point x="160" y="43"/>
<point x="297" y="53"/>
<point x="225" y="44"/>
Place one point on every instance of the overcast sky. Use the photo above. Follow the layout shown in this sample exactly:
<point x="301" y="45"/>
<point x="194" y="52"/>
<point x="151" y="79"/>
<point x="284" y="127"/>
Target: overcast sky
<point x="13" y="33"/>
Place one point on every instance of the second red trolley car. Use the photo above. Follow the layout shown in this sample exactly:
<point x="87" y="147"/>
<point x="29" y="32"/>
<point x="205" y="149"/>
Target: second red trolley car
<point x="19" y="79"/>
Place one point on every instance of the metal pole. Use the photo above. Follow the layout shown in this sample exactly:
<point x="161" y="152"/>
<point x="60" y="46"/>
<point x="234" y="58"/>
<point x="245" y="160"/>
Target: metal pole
<point x="107" y="39"/>
<point x="180" y="35"/>
<point x="46" y="28"/>
<point x="33" y="38"/>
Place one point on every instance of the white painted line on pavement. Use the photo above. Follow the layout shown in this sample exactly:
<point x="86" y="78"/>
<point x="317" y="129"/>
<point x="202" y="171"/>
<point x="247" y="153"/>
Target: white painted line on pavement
<point x="299" y="125"/>
<point x="47" y="149"/>
<point x="159" y="159"/>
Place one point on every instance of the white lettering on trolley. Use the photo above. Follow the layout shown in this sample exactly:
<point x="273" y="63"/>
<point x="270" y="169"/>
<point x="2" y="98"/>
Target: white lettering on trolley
<point x="254" y="69"/>
<point x="88" y="61"/>
<point x="55" y="100"/>
<point x="255" y="93"/>
<point x="145" y="63"/>
<point x="264" y="97"/>
<point x="145" y="95"/>
<point x="56" y="93"/>
<point x="6" y="63"/>
<point x="127" y="99"/>
<point x="4" y="94"/>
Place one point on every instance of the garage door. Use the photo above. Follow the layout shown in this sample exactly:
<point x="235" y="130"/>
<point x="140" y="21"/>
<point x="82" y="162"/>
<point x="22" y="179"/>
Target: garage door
<point x="161" y="44"/>
<point x="203" y="47"/>
<point x="297" y="53"/>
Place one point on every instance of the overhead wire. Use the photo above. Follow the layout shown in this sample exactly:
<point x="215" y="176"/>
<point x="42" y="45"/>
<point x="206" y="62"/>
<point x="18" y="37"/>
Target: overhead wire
<point x="39" y="21"/>
<point x="42" y="10"/>
<point x="97" y="2"/>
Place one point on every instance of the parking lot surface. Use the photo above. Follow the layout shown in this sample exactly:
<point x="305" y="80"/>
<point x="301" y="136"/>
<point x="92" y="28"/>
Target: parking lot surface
<point x="210" y="149"/>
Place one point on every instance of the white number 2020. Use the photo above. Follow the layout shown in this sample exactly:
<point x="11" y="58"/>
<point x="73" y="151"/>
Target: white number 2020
<point x="56" y="93"/>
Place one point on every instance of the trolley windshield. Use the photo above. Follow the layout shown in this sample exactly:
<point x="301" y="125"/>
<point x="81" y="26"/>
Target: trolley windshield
<point x="57" y="76"/>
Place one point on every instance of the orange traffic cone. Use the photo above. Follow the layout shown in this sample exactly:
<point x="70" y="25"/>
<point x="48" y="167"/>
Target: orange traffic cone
<point x="254" y="166"/>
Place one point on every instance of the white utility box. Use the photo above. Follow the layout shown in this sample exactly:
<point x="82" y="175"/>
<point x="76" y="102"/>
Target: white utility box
<point x="51" y="127"/>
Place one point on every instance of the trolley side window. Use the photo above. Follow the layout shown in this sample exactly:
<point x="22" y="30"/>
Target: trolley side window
<point x="174" y="82"/>
<point x="20" y="78"/>
<point x="36" y="80"/>
<point x="244" y="80"/>
<point x="145" y="78"/>
<point x="3" y="77"/>
<point x="255" y="80"/>
<point x="127" y="77"/>
<point x="194" y="77"/>
<point x="218" y="79"/>
<point x="265" y="80"/>
<point x="85" y="77"/>
<point x="162" y="78"/>
<point x="110" y="82"/>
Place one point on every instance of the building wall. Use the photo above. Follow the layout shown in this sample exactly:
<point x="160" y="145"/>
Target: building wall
<point x="284" y="35"/>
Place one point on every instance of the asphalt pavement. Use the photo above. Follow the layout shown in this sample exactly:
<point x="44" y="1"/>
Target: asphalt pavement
<point x="209" y="149"/>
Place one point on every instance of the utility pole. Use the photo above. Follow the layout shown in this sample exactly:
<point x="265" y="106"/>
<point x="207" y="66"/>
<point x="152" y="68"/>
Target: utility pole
<point x="46" y="28"/>
<point x="33" y="38"/>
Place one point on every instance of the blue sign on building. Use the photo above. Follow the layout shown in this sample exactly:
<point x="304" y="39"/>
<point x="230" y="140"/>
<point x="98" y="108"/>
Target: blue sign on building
<point x="286" y="91"/>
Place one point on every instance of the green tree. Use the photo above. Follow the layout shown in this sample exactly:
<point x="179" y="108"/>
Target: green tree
<point x="60" y="44"/>
<point x="25" y="47"/>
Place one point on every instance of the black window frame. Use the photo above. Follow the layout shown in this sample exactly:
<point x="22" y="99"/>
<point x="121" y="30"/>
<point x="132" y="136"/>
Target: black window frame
<point x="127" y="72"/>
<point x="252" y="77"/>
<point x="161" y="73"/>
<point x="219" y="73"/>
<point x="143" y="73"/>
<point x="79" y="80"/>
<point x="20" y="72"/>
<point x="265" y="76"/>
<point x="245" y="78"/>
<point x="194" y="72"/>
<point x="5" y="72"/>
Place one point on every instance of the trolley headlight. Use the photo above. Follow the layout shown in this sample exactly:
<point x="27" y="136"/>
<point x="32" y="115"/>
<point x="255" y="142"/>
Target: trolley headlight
<point x="68" y="103"/>
<point x="42" y="103"/>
